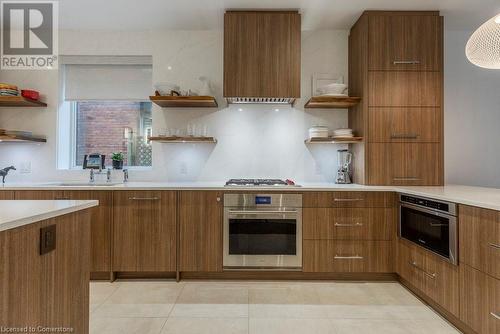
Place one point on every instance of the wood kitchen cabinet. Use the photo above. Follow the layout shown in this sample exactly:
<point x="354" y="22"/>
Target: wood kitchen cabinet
<point x="101" y="220"/>
<point x="405" y="42"/>
<point x="479" y="234"/>
<point x="409" y="164"/>
<point x="347" y="199"/>
<point x="479" y="300"/>
<point x="144" y="231"/>
<point x="433" y="276"/>
<point x="6" y="195"/>
<point x="262" y="54"/>
<point x="347" y="256"/>
<point x="415" y="125"/>
<point x="396" y="67"/>
<point x="49" y="290"/>
<point x="200" y="224"/>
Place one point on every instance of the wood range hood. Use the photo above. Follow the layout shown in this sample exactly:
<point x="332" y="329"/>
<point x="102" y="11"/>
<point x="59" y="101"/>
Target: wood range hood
<point x="262" y="56"/>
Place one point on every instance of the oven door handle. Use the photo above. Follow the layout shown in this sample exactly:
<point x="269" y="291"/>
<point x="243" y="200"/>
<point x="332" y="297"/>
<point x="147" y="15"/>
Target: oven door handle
<point x="243" y="212"/>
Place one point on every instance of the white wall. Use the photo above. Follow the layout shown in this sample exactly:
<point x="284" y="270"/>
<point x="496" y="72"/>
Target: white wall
<point x="255" y="142"/>
<point x="472" y="117"/>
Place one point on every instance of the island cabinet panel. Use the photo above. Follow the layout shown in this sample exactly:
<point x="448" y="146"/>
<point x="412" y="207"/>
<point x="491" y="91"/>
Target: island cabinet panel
<point x="6" y="195"/>
<point x="49" y="290"/>
<point x="433" y="276"/>
<point x="347" y="256"/>
<point x="479" y="233"/>
<point x="405" y="42"/>
<point x="144" y="231"/>
<point x="479" y="300"/>
<point x="101" y="220"/>
<point x="200" y="224"/>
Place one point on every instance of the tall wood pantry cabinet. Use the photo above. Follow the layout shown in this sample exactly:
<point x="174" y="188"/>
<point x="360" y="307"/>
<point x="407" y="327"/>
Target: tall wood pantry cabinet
<point x="396" y="67"/>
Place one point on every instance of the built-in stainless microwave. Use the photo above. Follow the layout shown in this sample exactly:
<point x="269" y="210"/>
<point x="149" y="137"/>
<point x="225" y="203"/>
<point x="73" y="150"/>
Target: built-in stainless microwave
<point x="431" y="224"/>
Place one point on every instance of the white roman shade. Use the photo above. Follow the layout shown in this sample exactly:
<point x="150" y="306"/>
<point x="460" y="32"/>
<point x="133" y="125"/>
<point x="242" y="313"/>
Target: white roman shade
<point x="107" y="78"/>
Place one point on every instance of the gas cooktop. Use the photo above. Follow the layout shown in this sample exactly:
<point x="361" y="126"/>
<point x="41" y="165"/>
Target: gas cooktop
<point x="260" y="182"/>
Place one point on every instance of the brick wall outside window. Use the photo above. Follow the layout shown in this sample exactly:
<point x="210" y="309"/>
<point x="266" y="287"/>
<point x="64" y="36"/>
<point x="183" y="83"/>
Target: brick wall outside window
<point x="100" y="128"/>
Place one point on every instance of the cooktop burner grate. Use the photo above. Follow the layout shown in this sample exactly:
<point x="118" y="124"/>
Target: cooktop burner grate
<point x="256" y="182"/>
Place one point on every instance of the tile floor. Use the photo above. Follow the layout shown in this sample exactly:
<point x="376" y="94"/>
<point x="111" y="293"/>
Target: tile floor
<point x="221" y="307"/>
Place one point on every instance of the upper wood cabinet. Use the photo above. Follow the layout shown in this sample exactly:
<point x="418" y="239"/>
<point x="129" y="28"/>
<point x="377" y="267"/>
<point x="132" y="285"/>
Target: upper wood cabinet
<point x="396" y="67"/>
<point x="262" y="54"/>
<point x="415" y="125"/>
<point x="144" y="231"/>
<point x="405" y="42"/>
<point x="200" y="224"/>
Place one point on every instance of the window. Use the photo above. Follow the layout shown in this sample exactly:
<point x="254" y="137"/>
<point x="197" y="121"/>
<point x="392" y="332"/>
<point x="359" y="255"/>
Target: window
<point x="112" y="126"/>
<point x="105" y="109"/>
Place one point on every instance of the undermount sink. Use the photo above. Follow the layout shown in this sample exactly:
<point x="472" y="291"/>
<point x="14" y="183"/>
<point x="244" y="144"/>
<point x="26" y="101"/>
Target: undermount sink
<point x="86" y="184"/>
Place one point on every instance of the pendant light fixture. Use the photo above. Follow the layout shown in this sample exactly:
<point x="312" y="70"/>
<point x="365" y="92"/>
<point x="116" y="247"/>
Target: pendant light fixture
<point x="483" y="47"/>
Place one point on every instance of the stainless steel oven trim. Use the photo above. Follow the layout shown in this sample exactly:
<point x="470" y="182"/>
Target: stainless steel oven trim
<point x="287" y="206"/>
<point x="453" y="230"/>
<point x="451" y="206"/>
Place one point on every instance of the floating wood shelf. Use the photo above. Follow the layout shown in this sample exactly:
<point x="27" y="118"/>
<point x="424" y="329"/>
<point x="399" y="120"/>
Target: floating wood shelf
<point x="331" y="140"/>
<point x="187" y="139"/>
<point x="184" y="101"/>
<point x="19" y="138"/>
<point x="331" y="102"/>
<point x="20" y="101"/>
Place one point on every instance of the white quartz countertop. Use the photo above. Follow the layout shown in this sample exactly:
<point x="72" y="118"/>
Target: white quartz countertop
<point x="488" y="198"/>
<point x="19" y="213"/>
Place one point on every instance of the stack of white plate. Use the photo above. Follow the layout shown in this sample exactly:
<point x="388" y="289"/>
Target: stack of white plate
<point x="343" y="133"/>
<point x="318" y="132"/>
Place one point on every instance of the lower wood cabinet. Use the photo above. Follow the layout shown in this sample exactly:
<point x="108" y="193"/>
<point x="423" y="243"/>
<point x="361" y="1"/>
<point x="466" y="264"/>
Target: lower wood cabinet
<point x="6" y="195"/>
<point x="479" y="300"/>
<point x="348" y="199"/>
<point x="479" y="234"/>
<point x="200" y="224"/>
<point x="433" y="276"/>
<point x="349" y="223"/>
<point x="347" y="256"/>
<point x="49" y="290"/>
<point x="144" y="231"/>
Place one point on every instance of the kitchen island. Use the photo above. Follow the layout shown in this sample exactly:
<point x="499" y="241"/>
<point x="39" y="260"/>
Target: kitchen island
<point x="44" y="266"/>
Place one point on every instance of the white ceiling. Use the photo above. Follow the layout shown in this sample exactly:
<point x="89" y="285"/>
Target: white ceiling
<point x="133" y="15"/>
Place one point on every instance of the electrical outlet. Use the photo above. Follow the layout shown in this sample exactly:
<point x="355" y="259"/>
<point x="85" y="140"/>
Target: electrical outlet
<point x="25" y="167"/>
<point x="184" y="168"/>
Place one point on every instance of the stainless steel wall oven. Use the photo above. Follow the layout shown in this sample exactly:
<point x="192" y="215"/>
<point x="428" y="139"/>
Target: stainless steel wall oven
<point x="262" y="231"/>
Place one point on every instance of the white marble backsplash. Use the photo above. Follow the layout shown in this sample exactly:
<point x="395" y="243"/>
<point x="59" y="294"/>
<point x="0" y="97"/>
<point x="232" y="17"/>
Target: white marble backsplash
<point x="253" y="140"/>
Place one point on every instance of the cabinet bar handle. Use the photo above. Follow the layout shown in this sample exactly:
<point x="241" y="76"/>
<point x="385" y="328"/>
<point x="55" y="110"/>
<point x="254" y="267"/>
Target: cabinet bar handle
<point x="348" y="225"/>
<point x="404" y="136"/>
<point x="407" y="179"/>
<point x="414" y="264"/>
<point x="353" y="257"/>
<point x="494" y="245"/>
<point x="61" y="198"/>
<point x="493" y="314"/>
<point x="348" y="199"/>
<point x="143" y="198"/>
<point x="406" y="62"/>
